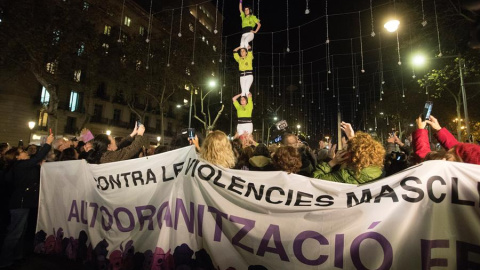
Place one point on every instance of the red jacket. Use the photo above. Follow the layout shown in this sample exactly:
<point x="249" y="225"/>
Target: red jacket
<point x="421" y="146"/>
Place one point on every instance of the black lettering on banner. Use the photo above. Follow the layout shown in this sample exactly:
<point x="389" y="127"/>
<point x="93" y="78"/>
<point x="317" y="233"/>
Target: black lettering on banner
<point x="269" y="194"/>
<point x="177" y="168"/>
<point x="104" y="180"/>
<point x="113" y="181"/>
<point x="366" y="197"/>
<point x="258" y="194"/>
<point x="215" y="181"/>
<point x="327" y="202"/>
<point x="137" y="176"/>
<point x="455" y="198"/>
<point x="430" y="182"/>
<point x="209" y="174"/>
<point x="234" y="184"/>
<point x="406" y="187"/>
<point x="165" y="178"/>
<point x="299" y="201"/>
<point x="290" y="197"/>
<point x="125" y="178"/>
<point x="386" y="191"/>
<point x="151" y="176"/>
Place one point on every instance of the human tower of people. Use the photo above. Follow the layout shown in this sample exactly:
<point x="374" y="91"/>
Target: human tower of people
<point x="243" y="54"/>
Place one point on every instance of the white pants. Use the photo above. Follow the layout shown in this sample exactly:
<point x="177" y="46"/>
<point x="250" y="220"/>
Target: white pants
<point x="246" y="38"/>
<point x="245" y="128"/>
<point x="245" y="83"/>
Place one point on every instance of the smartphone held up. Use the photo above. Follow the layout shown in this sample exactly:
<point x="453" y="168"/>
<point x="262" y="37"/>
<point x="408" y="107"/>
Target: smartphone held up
<point x="191" y="133"/>
<point x="427" y="110"/>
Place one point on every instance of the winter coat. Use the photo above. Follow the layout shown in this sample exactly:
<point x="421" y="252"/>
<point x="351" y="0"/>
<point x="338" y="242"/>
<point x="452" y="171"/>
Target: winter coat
<point x="126" y="152"/>
<point x="347" y="175"/>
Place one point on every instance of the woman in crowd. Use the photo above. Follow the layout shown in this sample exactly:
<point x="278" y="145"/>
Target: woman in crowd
<point x="287" y="159"/>
<point x="104" y="147"/>
<point x="68" y="154"/>
<point x="217" y="150"/>
<point x="244" y="114"/>
<point x="23" y="176"/>
<point x="245" y="66"/>
<point x="455" y="151"/>
<point x="361" y="162"/>
<point x="261" y="159"/>
<point x="249" y="21"/>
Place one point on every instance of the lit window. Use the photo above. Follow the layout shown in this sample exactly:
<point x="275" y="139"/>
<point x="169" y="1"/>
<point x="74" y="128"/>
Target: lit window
<point x="86" y="5"/>
<point x="56" y="37"/>
<point x="190" y="27"/>
<point x="203" y="38"/>
<point x="138" y="65"/>
<point x="43" y="119"/>
<point x="45" y="97"/>
<point x="141" y="30"/>
<point x="73" y="105"/>
<point x="77" y="75"/>
<point x="105" y="46"/>
<point x="124" y="38"/>
<point x="51" y="67"/>
<point x="107" y="29"/>
<point x="214" y="48"/>
<point x="81" y="49"/>
<point x="127" y="21"/>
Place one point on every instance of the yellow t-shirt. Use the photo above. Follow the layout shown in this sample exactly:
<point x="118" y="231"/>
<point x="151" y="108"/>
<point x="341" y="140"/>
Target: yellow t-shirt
<point x="244" y="64"/>
<point x="248" y="21"/>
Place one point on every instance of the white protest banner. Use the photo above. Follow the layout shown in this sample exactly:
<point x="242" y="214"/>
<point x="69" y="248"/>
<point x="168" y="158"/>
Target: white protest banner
<point x="172" y="210"/>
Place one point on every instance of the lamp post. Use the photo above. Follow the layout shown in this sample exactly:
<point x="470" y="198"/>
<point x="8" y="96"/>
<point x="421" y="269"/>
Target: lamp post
<point x="31" y="125"/>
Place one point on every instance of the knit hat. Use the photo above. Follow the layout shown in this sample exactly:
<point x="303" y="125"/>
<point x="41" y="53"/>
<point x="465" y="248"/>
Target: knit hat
<point x="470" y="153"/>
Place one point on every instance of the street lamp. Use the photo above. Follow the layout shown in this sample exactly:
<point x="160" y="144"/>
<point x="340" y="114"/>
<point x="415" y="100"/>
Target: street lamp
<point x="31" y="125"/>
<point x="392" y="25"/>
<point x="109" y="132"/>
<point x="158" y="140"/>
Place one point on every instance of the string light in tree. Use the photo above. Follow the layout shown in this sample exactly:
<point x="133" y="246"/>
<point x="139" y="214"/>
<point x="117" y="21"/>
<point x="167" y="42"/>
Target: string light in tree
<point x="307" y="11"/>
<point x="361" y="40"/>
<point x="371" y="17"/>
<point x="326" y="21"/>
<point x="279" y="75"/>
<point x="438" y="32"/>
<point x="299" y="57"/>
<point x="181" y="18"/>
<point x="288" y="30"/>
<point x="424" y="22"/>
<point x="258" y="9"/>
<point x="225" y="62"/>
<point x="121" y="23"/>
<point x="216" y="19"/>
<point x="353" y="66"/>
<point x="170" y="43"/>
<point x="273" y="75"/>
<point x="149" y="23"/>
<point x="195" y="34"/>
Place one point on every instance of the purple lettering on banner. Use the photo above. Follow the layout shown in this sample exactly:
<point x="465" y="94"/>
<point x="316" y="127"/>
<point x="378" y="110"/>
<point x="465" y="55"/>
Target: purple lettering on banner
<point x="73" y="211"/>
<point x="151" y="177"/>
<point x="168" y="215"/>
<point x="269" y="194"/>
<point x="94" y="214"/>
<point x="339" y="247"/>
<point x="426" y="251"/>
<point x="120" y="226"/>
<point x="386" y="247"/>
<point x="99" y="183"/>
<point x="298" y="243"/>
<point x="218" y="222"/>
<point x="137" y="176"/>
<point x="386" y="191"/>
<point x="249" y="225"/>
<point x="210" y="172"/>
<point x="465" y="249"/>
<point x="164" y="174"/>
<point x="273" y="230"/>
<point x="189" y="220"/>
<point x="83" y="212"/>
<point x="106" y="226"/>
<point x="201" y="211"/>
<point x="142" y="218"/>
<point x="113" y="181"/>
<point x="419" y="191"/>
<point x="455" y="198"/>
<point x="430" y="182"/>
<point x="125" y="178"/>
<point x="177" y="168"/>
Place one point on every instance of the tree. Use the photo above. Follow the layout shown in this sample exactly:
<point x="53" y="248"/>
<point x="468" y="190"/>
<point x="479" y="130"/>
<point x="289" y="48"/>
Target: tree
<point x="206" y="118"/>
<point x="445" y="82"/>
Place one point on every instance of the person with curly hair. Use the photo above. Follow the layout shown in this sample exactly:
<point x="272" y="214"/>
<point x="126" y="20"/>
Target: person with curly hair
<point x="217" y="150"/>
<point x="287" y="159"/>
<point x="360" y="163"/>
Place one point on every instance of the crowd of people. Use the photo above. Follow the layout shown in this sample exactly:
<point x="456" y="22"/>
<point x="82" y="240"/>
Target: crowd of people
<point x="362" y="159"/>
